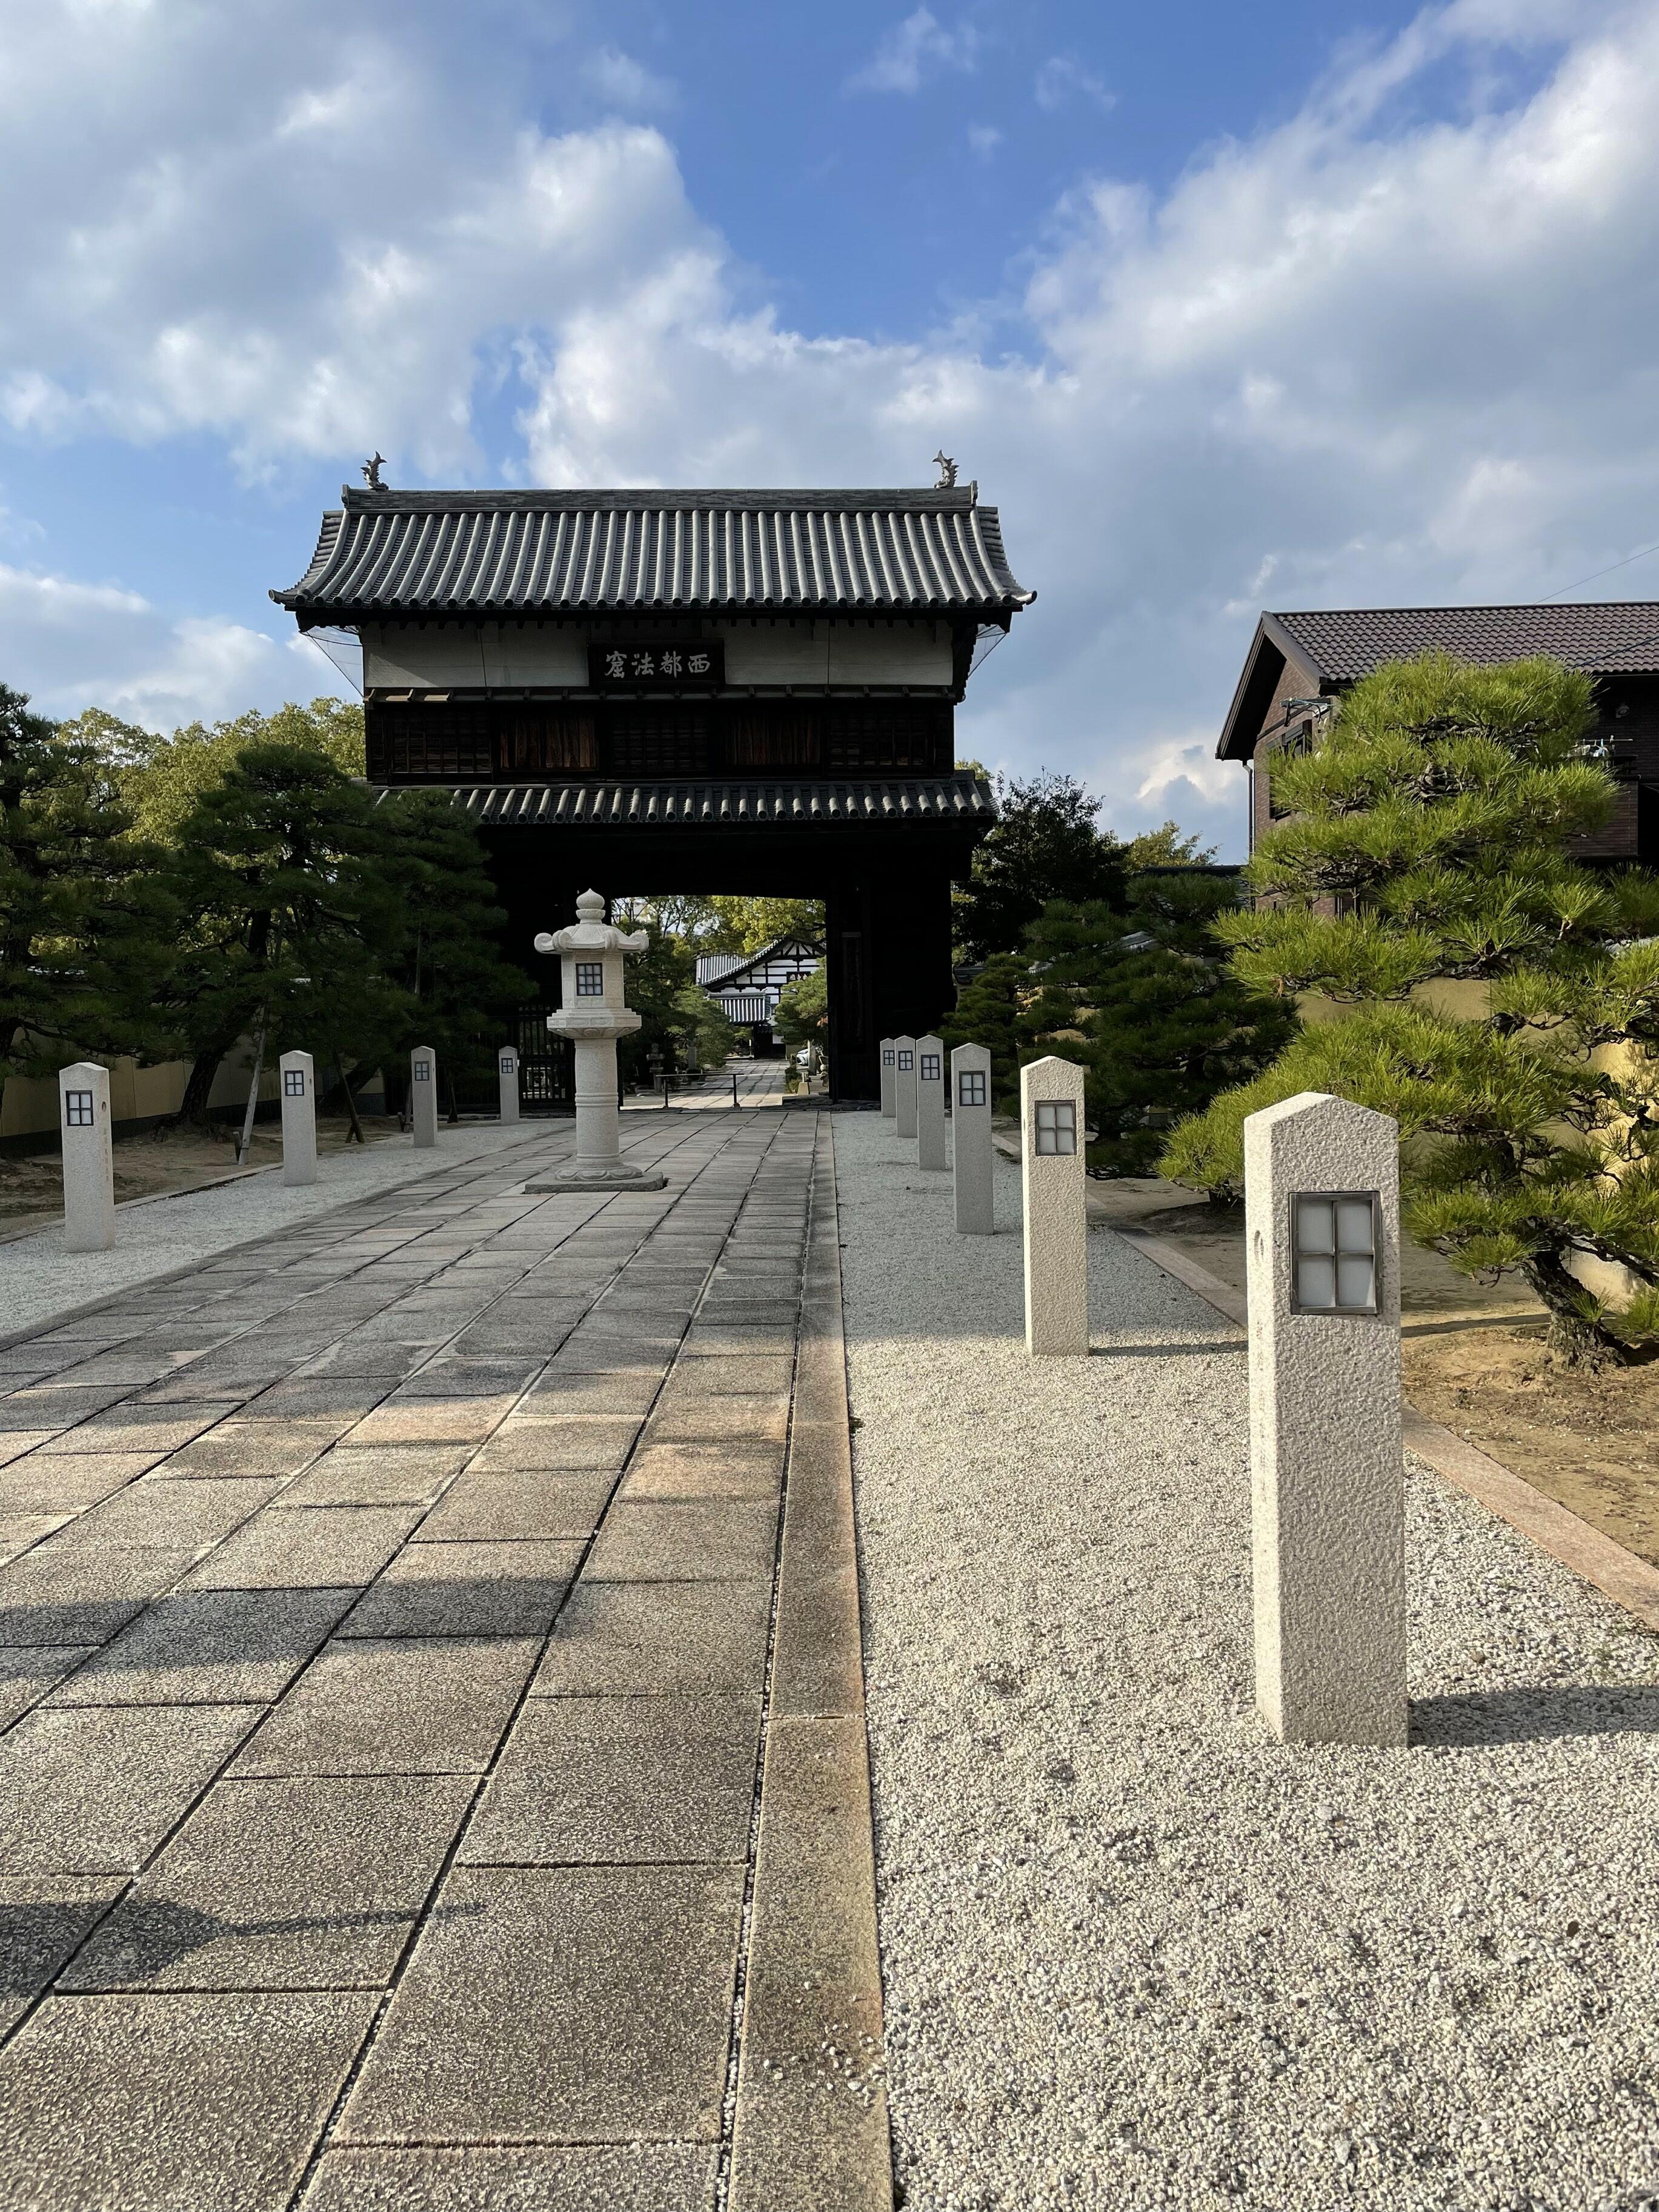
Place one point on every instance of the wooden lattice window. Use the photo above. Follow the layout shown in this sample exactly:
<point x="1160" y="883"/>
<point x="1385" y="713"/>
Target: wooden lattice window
<point x="771" y="738"/>
<point x="412" y="744"/>
<point x="536" y="742"/>
<point x="647" y="741"/>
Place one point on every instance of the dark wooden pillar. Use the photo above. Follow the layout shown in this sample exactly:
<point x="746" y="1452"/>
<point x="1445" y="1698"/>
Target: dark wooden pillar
<point x="889" y="954"/>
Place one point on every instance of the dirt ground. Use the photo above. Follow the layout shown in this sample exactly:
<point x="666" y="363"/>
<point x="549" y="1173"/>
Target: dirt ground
<point x="1588" y="1440"/>
<point x="32" y="1189"/>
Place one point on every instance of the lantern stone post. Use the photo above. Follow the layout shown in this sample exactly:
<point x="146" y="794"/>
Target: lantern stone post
<point x="83" y="1124"/>
<point x="506" y="1068"/>
<point x="594" y="1014"/>
<point x="904" y="1086"/>
<point x="929" y="1104"/>
<point x="298" y="1078"/>
<point x="423" y="1096"/>
<point x="1056" y="1212"/>
<point x="887" y="1067"/>
<point x="1321" y="1228"/>
<point x="971" y="1153"/>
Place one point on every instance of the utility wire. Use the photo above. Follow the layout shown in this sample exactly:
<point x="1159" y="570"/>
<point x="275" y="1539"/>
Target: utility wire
<point x="1591" y="579"/>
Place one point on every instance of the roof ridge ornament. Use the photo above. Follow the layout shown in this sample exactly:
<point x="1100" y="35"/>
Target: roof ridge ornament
<point x="370" y="472"/>
<point x="947" y="471"/>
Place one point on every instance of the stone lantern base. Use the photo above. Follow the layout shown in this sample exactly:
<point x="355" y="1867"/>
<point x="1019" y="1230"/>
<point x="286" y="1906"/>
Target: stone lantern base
<point x="607" y="1178"/>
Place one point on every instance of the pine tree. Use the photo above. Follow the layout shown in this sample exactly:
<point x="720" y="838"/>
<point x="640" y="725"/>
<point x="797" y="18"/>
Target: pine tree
<point x="294" y="922"/>
<point x="988" y="1011"/>
<point x="458" y="987"/>
<point x="85" y="925"/>
<point x="1496" y="996"/>
<point x="1146" y="1002"/>
<point x="1045" y="845"/>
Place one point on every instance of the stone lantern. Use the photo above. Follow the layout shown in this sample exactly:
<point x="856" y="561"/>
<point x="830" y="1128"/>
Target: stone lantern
<point x="594" y="1016"/>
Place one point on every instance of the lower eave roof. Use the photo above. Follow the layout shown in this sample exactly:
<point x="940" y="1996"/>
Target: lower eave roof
<point x="733" y="803"/>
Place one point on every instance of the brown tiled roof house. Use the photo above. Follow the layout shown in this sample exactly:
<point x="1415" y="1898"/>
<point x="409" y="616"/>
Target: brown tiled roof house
<point x="1297" y="657"/>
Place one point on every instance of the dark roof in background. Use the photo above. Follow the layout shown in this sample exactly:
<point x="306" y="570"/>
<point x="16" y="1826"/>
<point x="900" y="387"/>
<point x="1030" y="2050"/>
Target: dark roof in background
<point x="386" y="554"/>
<point x="734" y="804"/>
<point x="1605" y="637"/>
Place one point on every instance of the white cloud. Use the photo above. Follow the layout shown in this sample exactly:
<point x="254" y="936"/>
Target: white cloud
<point x="914" y="50"/>
<point x="1370" y="354"/>
<point x="73" y="644"/>
<point x="1062" y="78"/>
<point x="984" y="138"/>
<point x="622" y="82"/>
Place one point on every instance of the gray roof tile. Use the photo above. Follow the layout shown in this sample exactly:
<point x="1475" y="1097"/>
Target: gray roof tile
<point x="1605" y="636"/>
<point x="390" y="553"/>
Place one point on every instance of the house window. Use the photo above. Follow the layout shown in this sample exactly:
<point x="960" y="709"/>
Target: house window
<point x="77" y="1109"/>
<point x="1334" y="1251"/>
<point x="970" y="1087"/>
<point x="1057" y="1126"/>
<point x="590" y="979"/>
<point x="293" y="1082"/>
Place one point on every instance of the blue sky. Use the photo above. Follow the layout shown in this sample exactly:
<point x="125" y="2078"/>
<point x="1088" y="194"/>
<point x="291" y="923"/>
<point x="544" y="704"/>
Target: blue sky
<point x="1224" y="307"/>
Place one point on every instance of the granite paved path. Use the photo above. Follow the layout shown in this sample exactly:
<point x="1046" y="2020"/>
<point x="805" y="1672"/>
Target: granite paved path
<point x="384" y="1636"/>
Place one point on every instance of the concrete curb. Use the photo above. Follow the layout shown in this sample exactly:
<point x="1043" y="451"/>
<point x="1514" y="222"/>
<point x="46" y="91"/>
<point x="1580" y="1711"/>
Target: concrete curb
<point x="811" y="2126"/>
<point x="1631" y="1582"/>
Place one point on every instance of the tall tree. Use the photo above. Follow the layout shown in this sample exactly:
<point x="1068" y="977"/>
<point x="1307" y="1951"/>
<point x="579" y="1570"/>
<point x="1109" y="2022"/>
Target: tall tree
<point x="1497" y="997"/>
<point x="1146" y="1002"/>
<point x="293" y="923"/>
<point x="162" y="778"/>
<point x="457" y="986"/>
<point x="84" y="923"/>
<point x="1047" y="845"/>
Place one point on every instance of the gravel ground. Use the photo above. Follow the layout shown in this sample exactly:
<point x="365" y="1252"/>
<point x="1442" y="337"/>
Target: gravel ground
<point x="39" y="1279"/>
<point x="1134" y="1953"/>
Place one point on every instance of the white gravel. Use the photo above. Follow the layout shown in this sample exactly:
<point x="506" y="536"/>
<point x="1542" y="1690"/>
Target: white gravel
<point x="1135" y="1954"/>
<point x="38" y="1280"/>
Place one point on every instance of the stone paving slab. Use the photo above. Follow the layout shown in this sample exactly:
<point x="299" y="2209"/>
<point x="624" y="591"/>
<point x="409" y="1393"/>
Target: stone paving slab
<point x="382" y="1716"/>
<point x="559" y="2004"/>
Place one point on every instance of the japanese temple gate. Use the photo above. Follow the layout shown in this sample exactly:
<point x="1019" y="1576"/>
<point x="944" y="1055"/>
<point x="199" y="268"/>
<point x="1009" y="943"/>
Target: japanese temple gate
<point x="690" y="691"/>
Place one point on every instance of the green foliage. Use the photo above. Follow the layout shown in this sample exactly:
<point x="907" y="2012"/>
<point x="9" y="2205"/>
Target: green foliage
<point x="293" y="919"/>
<point x="746" y="925"/>
<point x="84" y="924"/>
<point x="803" y="1013"/>
<point x="1046" y="846"/>
<point x="702" y="1022"/>
<point x="1166" y="846"/>
<point x="1429" y="847"/>
<point x="1146" y="1004"/>
<point x="449" y="966"/>
<point x="162" y="778"/>
<point x="657" y="980"/>
<point x="987" y="1013"/>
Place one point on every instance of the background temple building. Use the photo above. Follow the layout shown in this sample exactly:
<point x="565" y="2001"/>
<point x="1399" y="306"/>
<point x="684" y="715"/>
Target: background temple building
<point x="690" y="691"/>
<point x="1295" y="660"/>
<point x="746" y="986"/>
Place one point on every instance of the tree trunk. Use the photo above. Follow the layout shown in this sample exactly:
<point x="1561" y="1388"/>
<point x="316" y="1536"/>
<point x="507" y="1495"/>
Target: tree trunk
<point x="193" y="1106"/>
<point x="356" y="1136"/>
<point x="1576" y="1338"/>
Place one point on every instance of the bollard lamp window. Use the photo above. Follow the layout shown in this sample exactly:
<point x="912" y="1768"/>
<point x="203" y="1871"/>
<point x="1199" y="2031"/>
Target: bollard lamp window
<point x="508" y="1064"/>
<point x="1334" y="1251"/>
<point x="1057" y="1126"/>
<point x="293" y="1082"/>
<point x="970" y="1087"/>
<point x="887" y="1056"/>
<point x="590" y="979"/>
<point x="424" y="1071"/>
<point x="929" y="1069"/>
<point x="77" y="1109"/>
<point x="907" y="1060"/>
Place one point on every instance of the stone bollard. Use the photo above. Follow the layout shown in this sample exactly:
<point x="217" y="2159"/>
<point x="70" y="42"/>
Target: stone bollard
<point x="1321" y="1226"/>
<point x="1056" y="1214"/>
<point x="929" y="1104"/>
<point x="507" y="1067"/>
<point x="970" y="1139"/>
<point x="904" y="1086"/>
<point x="88" y="1158"/>
<point x="423" y="1095"/>
<point x="887" y="1065"/>
<point x="299" y="1081"/>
